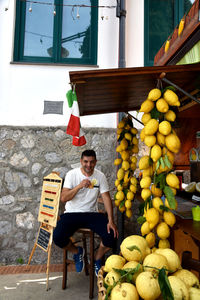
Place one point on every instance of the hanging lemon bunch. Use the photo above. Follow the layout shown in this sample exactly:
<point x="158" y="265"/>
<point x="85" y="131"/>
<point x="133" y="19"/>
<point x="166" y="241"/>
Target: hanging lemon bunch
<point x="159" y="183"/>
<point x="126" y="182"/>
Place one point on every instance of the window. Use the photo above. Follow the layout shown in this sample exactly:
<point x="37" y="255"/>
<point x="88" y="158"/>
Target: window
<point x="160" y="19"/>
<point x="56" y="31"/>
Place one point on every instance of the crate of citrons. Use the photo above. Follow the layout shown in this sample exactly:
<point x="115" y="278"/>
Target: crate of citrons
<point x="141" y="273"/>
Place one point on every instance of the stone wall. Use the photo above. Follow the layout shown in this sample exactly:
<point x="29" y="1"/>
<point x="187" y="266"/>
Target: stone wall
<point x="27" y="154"/>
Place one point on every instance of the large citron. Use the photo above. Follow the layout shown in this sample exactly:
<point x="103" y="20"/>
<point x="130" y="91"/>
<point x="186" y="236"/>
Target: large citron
<point x="134" y="247"/>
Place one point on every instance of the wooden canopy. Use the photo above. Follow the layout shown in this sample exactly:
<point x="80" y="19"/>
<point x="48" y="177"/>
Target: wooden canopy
<point x="124" y="89"/>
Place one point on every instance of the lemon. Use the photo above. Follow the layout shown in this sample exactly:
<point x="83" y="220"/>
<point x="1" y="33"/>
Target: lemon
<point x="132" y="265"/>
<point x="135" y="141"/>
<point x="172" y="259"/>
<point x="125" y="155"/>
<point x="170" y="116"/>
<point x="134" y="159"/>
<point x="128" y="204"/>
<point x="117" y="161"/>
<point x="125" y="165"/>
<point x="133" y="166"/>
<point x="198" y="187"/>
<point x="163" y="244"/>
<point x="157" y="202"/>
<point x="122" y="209"/>
<point x="156" y="191"/>
<point x="145" y="229"/>
<point x="111" y="277"/>
<point x="171" y="98"/>
<point x="187" y="277"/>
<point x="134" y="130"/>
<point x="121" y="124"/>
<point x="173" y="143"/>
<point x="120" y="195"/>
<point x="129" y="213"/>
<point x="147" y="286"/>
<point x="150" y="140"/>
<point x="172" y="180"/>
<point x="130" y="195"/>
<point x="163" y="230"/>
<point x="165" y="128"/>
<point x="142" y="135"/>
<point x="120" y="187"/>
<point x="151" y="127"/>
<point x="145" y="118"/>
<point x="119" y="131"/>
<point x="119" y="148"/>
<point x="120" y="174"/>
<point x="135" y="149"/>
<point x="124" y="144"/>
<point x="151" y="239"/>
<point x="124" y="291"/>
<point x="128" y="136"/>
<point x="167" y="204"/>
<point x="117" y="202"/>
<point x="144" y="162"/>
<point x="133" y="188"/>
<point x="156" y="152"/>
<point x="152" y="215"/>
<point x="154" y="94"/>
<point x="145" y="182"/>
<point x="170" y="155"/>
<point x="160" y="139"/>
<point x="114" y="261"/>
<point x="126" y="177"/>
<point x="146" y="193"/>
<point x="117" y="182"/>
<point x="147" y="106"/>
<point x="191" y="187"/>
<point x="147" y="172"/>
<point x="133" y="180"/>
<point x="169" y="218"/>
<point x="162" y="106"/>
<point x="153" y="262"/>
<point x="179" y="289"/>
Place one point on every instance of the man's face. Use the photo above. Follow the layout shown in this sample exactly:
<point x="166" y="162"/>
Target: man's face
<point x="88" y="163"/>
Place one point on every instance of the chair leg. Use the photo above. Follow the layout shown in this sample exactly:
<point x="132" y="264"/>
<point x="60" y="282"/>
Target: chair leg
<point x="91" y="295"/>
<point x="85" y="256"/>
<point x="64" y="280"/>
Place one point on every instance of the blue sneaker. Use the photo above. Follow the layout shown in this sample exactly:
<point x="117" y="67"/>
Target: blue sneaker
<point x="78" y="259"/>
<point x="97" y="266"/>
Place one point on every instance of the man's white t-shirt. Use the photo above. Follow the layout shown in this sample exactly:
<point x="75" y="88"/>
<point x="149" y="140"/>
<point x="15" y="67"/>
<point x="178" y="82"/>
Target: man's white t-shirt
<point x="86" y="199"/>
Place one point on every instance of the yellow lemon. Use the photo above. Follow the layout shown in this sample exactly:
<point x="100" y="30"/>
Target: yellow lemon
<point x="120" y="187"/>
<point x="124" y="290"/>
<point x="173" y="143"/>
<point x="145" y="118"/>
<point x="163" y="230"/>
<point x="128" y="204"/>
<point x="169" y="218"/>
<point x="119" y="131"/>
<point x="135" y="141"/>
<point x="135" y="149"/>
<point x="154" y="94"/>
<point x="152" y="215"/>
<point x="117" y="202"/>
<point x="167" y="204"/>
<point x="147" y="172"/>
<point x="144" y="162"/>
<point x="162" y="106"/>
<point x="129" y="213"/>
<point x="119" y="148"/>
<point x="120" y="174"/>
<point x="125" y="165"/>
<point x="169" y="154"/>
<point x="134" y="159"/>
<point x="120" y="195"/>
<point x="130" y="195"/>
<point x="121" y="124"/>
<point x="126" y="177"/>
<point x="145" y="229"/>
<point x="117" y="161"/>
<point x="124" y="144"/>
<point x="134" y="130"/>
<point x="172" y="180"/>
<point x="147" y="106"/>
<point x="133" y="166"/>
<point x="114" y="261"/>
<point x="170" y="116"/>
<point x="156" y="191"/>
<point x="157" y="202"/>
<point x="146" y="193"/>
<point x="112" y="277"/>
<point x="133" y="180"/>
<point x="145" y="182"/>
<point x="156" y="152"/>
<point x="142" y="135"/>
<point x="165" y="128"/>
<point x="171" y="98"/>
<point x="163" y="244"/>
<point x="160" y="139"/>
<point x="151" y="127"/>
<point x="133" y="188"/>
<point x="125" y="155"/>
<point x="151" y="239"/>
<point x="128" y="136"/>
<point x="150" y="140"/>
<point x="117" y="182"/>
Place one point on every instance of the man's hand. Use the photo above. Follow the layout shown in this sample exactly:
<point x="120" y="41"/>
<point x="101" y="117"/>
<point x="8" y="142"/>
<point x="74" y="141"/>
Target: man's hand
<point x="85" y="183"/>
<point x="111" y="225"/>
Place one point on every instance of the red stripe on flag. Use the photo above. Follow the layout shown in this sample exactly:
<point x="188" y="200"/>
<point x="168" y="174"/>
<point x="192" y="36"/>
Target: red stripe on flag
<point x="73" y="127"/>
<point x="79" y="141"/>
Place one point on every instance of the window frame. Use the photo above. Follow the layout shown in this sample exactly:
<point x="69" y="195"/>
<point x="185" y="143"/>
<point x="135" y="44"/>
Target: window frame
<point x="178" y="14"/>
<point x="57" y="32"/>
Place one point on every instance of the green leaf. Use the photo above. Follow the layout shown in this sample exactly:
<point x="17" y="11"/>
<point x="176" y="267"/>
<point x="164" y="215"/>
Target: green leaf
<point x="131" y="248"/>
<point x="170" y="196"/>
<point x="120" y="271"/>
<point x="141" y="220"/>
<point x="155" y="114"/>
<point x="150" y="161"/>
<point x="121" y="135"/>
<point x="167" y="161"/>
<point x="164" y="208"/>
<point x="162" y="162"/>
<point x="160" y="180"/>
<point x="130" y="122"/>
<point x="157" y="165"/>
<point x="164" y="284"/>
<point x="115" y="196"/>
<point x="170" y="87"/>
<point x="122" y="203"/>
<point x="125" y="191"/>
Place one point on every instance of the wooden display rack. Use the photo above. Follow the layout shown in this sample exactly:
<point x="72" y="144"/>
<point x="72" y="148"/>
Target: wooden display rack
<point x="48" y="213"/>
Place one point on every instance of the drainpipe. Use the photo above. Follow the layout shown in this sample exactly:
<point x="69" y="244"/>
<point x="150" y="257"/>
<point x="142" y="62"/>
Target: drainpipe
<point x="121" y="14"/>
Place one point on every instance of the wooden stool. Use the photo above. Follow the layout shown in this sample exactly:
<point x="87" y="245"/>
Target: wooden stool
<point x="88" y="271"/>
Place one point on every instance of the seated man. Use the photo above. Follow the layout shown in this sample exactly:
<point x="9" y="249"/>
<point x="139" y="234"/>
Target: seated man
<point x="80" y="192"/>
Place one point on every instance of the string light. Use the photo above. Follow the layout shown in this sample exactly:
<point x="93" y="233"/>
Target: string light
<point x="30" y="7"/>
<point x="77" y="15"/>
<point x="54" y="11"/>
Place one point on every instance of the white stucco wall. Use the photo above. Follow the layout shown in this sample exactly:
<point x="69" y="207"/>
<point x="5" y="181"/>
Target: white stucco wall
<point x="23" y="87"/>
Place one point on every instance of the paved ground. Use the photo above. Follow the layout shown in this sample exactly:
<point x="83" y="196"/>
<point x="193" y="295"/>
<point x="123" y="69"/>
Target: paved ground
<point x="32" y="286"/>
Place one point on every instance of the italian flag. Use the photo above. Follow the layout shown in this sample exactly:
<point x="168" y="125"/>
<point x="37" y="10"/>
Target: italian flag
<point x="74" y="126"/>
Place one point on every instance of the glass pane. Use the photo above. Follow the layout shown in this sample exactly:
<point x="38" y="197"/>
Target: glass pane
<point x="188" y="5"/>
<point x="161" y="24"/>
<point x="76" y="30"/>
<point x="38" y="40"/>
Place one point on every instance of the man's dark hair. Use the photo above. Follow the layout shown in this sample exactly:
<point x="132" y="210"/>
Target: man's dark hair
<point x="88" y="153"/>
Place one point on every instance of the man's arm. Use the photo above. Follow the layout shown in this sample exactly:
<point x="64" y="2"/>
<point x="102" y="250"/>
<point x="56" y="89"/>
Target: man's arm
<point x="68" y="194"/>
<point x="109" y="209"/>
